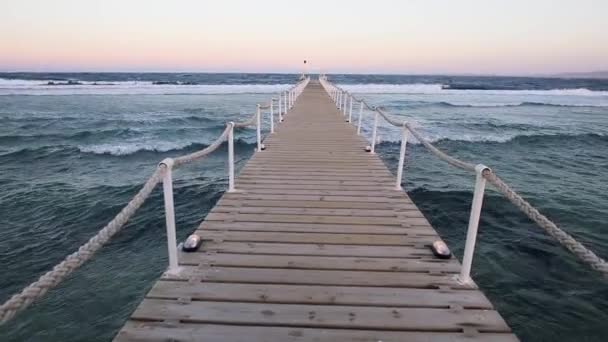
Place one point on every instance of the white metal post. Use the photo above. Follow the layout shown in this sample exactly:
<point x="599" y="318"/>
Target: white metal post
<point x="469" y="248"/>
<point x="280" y="108"/>
<point x="373" y="150"/>
<point x="401" y="158"/>
<point x="350" y="111"/>
<point x="272" y="115"/>
<point x="231" y="158"/>
<point x="259" y="128"/>
<point x="170" y="216"/>
<point x="286" y="103"/>
<point x="360" y="118"/>
<point x="339" y="102"/>
<point x="344" y="104"/>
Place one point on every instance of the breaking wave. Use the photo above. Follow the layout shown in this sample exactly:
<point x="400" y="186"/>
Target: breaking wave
<point x="423" y="88"/>
<point x="60" y="87"/>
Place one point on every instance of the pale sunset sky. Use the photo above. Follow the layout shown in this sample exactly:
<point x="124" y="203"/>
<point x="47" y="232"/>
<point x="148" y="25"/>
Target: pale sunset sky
<point x="356" y="36"/>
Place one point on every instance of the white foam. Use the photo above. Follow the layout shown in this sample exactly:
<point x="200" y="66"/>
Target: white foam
<point x="485" y="137"/>
<point x="42" y="87"/>
<point x="431" y="89"/>
<point x="122" y="149"/>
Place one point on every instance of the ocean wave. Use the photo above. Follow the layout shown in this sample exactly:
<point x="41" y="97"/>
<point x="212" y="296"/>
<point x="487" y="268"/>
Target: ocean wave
<point x="193" y="118"/>
<point x="125" y="149"/>
<point x="117" y="133"/>
<point x="504" y="138"/>
<point x="27" y="153"/>
<point x="439" y="89"/>
<point x="121" y="132"/>
<point x="33" y="121"/>
<point x="511" y="104"/>
<point x="117" y="149"/>
<point x="492" y="125"/>
<point x="60" y="87"/>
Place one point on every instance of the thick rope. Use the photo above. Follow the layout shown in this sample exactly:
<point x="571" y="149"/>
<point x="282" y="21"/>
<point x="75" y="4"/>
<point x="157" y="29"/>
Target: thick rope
<point x="561" y="236"/>
<point x="389" y="119"/>
<point x="49" y="280"/>
<point x="440" y="154"/>
<point x="565" y="239"/>
<point x="247" y="123"/>
<point x="199" y="154"/>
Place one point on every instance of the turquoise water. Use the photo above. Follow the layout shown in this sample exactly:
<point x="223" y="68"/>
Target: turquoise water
<point x="73" y="155"/>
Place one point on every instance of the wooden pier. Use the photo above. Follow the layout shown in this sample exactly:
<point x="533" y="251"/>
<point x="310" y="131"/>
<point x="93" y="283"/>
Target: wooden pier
<point x="315" y="245"/>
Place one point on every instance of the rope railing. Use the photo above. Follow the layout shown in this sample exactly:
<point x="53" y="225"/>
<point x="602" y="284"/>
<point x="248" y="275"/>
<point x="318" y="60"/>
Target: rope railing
<point x="163" y="173"/>
<point x="50" y="279"/>
<point x="483" y="174"/>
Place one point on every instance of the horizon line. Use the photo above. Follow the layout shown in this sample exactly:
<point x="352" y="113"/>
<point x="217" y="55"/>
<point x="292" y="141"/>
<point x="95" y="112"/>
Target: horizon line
<point x="563" y="74"/>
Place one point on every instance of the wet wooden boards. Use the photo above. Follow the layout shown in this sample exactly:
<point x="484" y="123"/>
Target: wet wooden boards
<point x="316" y="245"/>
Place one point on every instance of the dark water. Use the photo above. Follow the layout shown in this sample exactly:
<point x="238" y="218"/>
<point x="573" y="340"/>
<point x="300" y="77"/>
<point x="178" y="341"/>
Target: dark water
<point x="73" y="155"/>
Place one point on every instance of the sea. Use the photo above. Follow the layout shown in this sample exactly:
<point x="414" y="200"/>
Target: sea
<point x="75" y="147"/>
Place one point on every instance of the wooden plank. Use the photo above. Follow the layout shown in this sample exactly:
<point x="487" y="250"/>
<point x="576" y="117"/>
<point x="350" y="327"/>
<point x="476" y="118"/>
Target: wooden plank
<point x="245" y="202"/>
<point x="429" y="264"/>
<point x="251" y="195"/>
<point x="213" y="216"/>
<point x="327" y="239"/>
<point x="319" y="192"/>
<point x="329" y="169"/>
<point x="327" y="316"/>
<point x="310" y="294"/>
<point x="322" y="211"/>
<point x="360" y="187"/>
<point x="344" y="174"/>
<point x="264" y="177"/>
<point x="273" y="182"/>
<point x="386" y="212"/>
<point x="160" y="332"/>
<point x="307" y="159"/>
<point x="317" y="249"/>
<point x="310" y="218"/>
<point x="316" y="228"/>
<point x="317" y="277"/>
<point x="322" y="165"/>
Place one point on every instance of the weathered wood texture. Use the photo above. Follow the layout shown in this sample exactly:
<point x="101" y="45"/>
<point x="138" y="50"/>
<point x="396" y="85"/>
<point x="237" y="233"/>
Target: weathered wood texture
<point x="316" y="245"/>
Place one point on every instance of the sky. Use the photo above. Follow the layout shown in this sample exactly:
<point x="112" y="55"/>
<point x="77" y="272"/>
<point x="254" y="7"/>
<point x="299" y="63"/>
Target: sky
<point x="501" y="37"/>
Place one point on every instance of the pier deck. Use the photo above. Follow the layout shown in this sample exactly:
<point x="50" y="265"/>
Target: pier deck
<point x="316" y="245"/>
